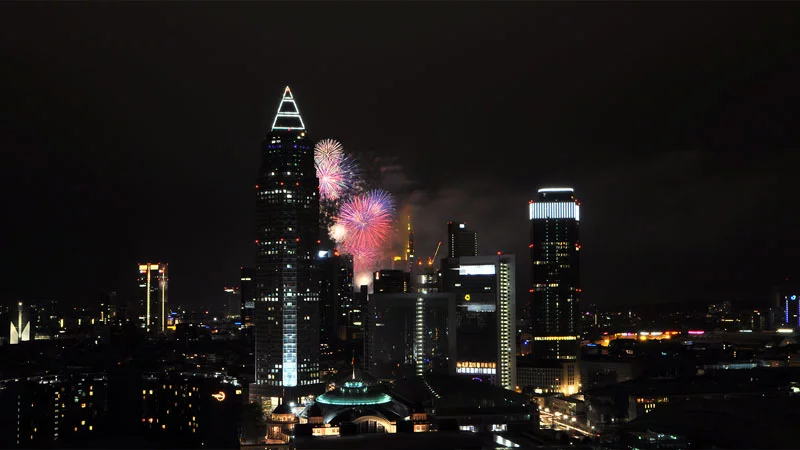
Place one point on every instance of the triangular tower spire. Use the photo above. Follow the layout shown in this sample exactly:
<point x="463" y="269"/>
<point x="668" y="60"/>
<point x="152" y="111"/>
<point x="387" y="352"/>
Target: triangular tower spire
<point x="288" y="115"/>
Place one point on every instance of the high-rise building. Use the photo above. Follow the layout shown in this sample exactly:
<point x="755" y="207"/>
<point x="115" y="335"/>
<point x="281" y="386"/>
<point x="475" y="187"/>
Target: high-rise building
<point x="286" y="241"/>
<point x="153" y="285"/>
<point x="485" y="310"/>
<point x="410" y="334"/>
<point x="555" y="290"/>
<point x="247" y="289"/>
<point x="233" y="302"/>
<point x="461" y="241"/>
<point x="785" y="305"/>
<point x="389" y="281"/>
<point x="335" y="304"/>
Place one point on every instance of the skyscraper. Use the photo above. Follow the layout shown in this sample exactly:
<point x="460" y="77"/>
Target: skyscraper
<point x="153" y="284"/>
<point x="287" y="233"/>
<point x="461" y="241"/>
<point x="336" y="305"/>
<point x="555" y="289"/>
<point x="247" y="288"/>
<point x="485" y="311"/>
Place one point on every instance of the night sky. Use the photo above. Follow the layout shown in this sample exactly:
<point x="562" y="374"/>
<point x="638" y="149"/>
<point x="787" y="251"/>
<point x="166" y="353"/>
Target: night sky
<point x="132" y="131"/>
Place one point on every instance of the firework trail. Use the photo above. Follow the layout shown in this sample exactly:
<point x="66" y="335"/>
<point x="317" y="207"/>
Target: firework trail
<point x="364" y="224"/>
<point x="335" y="170"/>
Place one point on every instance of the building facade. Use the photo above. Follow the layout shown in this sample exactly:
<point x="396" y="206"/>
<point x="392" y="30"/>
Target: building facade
<point x="555" y="291"/>
<point x="286" y="241"/>
<point x="153" y="285"/>
<point x="247" y="290"/>
<point x="461" y="241"/>
<point x="411" y="334"/>
<point x="338" y="312"/>
<point x="485" y="310"/>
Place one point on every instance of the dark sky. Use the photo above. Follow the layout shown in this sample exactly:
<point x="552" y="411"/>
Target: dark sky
<point x="131" y="131"/>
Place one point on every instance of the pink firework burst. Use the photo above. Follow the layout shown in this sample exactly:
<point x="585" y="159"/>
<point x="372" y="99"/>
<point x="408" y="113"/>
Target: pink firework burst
<point x="335" y="170"/>
<point x="367" y="221"/>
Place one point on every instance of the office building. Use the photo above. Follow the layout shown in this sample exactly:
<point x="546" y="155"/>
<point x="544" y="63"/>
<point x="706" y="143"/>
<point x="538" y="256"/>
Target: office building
<point x="286" y="241"/>
<point x="233" y="302"/>
<point x="555" y="290"/>
<point x="485" y="310"/>
<point x="337" y="311"/>
<point x="461" y="241"/>
<point x="411" y="334"/>
<point x="153" y="285"/>
<point x="247" y="290"/>
<point x="391" y="281"/>
<point x="785" y="305"/>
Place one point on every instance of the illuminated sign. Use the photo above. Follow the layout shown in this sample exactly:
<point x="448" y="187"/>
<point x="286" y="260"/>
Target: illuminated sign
<point x="478" y="269"/>
<point x="219" y="396"/>
<point x="554" y="210"/>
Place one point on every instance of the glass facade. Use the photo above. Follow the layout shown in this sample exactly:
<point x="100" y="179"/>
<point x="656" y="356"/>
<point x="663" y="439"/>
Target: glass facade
<point x="287" y="233"/>
<point x="485" y="296"/>
<point x="555" y="290"/>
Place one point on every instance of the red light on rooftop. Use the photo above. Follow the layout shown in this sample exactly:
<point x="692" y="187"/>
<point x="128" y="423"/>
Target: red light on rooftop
<point x="281" y="183"/>
<point x="318" y="241"/>
<point x="530" y="245"/>
<point x="256" y="241"/>
<point x="499" y="253"/>
<point x="256" y="186"/>
<point x="297" y="240"/>
<point x="297" y="183"/>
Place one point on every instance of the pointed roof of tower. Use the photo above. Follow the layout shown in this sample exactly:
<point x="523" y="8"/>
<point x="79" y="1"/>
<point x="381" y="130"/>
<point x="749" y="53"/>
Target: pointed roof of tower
<point x="288" y="115"/>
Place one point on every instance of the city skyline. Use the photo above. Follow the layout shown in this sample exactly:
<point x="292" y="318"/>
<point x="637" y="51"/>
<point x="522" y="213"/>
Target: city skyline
<point x="659" y="133"/>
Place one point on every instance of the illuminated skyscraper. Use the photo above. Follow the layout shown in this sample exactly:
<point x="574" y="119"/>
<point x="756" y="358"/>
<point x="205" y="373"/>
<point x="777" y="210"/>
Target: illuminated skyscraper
<point x="153" y="284"/>
<point x="555" y="282"/>
<point x="286" y="241"/>
<point x="461" y="241"/>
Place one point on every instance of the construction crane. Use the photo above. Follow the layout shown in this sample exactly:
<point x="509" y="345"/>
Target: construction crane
<point x="433" y="258"/>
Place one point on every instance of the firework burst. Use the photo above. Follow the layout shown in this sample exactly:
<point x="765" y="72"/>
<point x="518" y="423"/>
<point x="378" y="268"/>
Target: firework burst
<point x="335" y="170"/>
<point x="365" y="222"/>
<point x="328" y="149"/>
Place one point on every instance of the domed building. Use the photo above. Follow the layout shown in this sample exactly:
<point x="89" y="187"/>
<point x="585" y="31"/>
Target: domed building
<point x="360" y="403"/>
